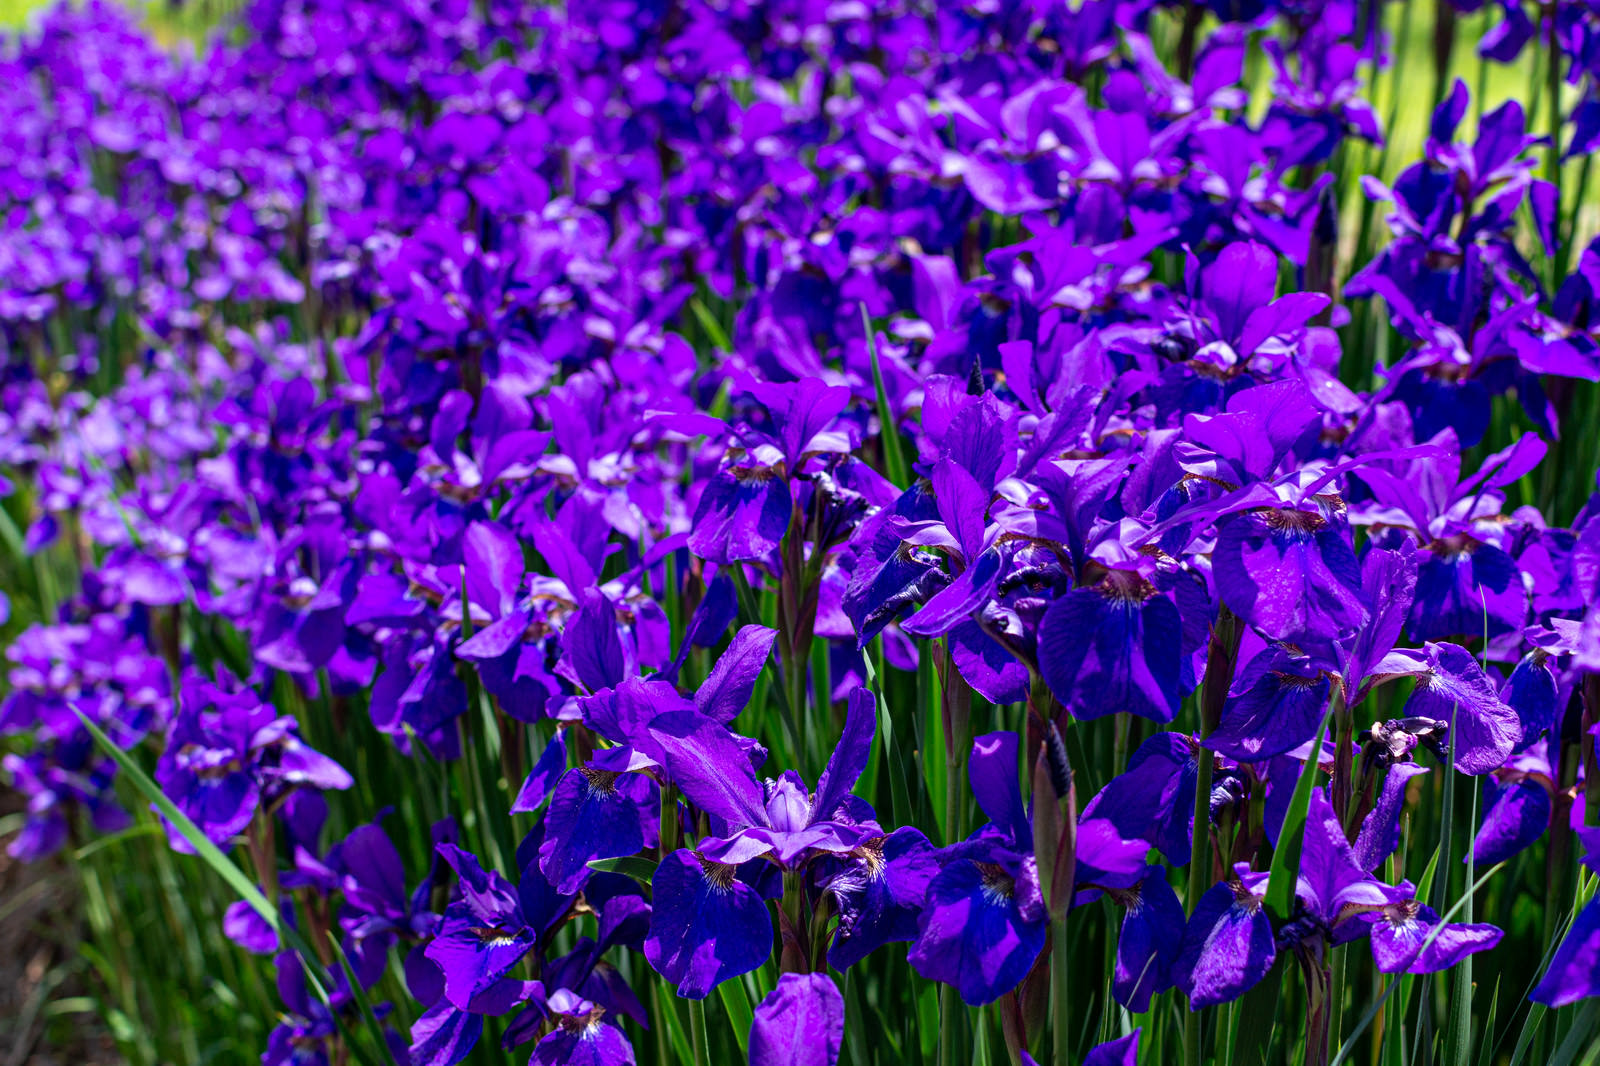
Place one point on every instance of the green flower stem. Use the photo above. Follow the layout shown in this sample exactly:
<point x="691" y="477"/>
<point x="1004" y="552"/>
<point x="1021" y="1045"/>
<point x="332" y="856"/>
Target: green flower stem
<point x="1220" y="661"/>
<point x="950" y="1012"/>
<point x="697" y="1032"/>
<point x="1060" y="993"/>
<point x="957" y="710"/>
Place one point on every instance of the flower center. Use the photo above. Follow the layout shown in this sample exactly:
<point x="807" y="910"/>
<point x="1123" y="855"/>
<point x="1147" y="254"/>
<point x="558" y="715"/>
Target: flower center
<point x="719" y="875"/>
<point x="1400" y="914"/>
<point x="582" y="1024"/>
<point x="600" y="782"/>
<point x="494" y="936"/>
<point x="1125" y="586"/>
<point x="1295" y="523"/>
<point x="998" y="886"/>
<point x="870" y="852"/>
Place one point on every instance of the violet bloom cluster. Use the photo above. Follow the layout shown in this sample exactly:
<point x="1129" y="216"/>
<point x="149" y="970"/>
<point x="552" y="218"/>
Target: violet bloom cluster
<point x="701" y="427"/>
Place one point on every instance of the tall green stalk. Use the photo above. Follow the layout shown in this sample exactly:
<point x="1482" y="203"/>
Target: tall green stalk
<point x="1221" y="658"/>
<point x="1060" y="994"/>
<point x="697" y="1032"/>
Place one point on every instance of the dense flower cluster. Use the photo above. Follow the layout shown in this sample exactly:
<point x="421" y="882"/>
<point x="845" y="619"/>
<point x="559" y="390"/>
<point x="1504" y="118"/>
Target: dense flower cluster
<point x="697" y="405"/>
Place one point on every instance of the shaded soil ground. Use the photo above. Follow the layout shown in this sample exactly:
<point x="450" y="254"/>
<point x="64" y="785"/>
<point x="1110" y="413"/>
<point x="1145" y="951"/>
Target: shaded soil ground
<point x="46" y="1017"/>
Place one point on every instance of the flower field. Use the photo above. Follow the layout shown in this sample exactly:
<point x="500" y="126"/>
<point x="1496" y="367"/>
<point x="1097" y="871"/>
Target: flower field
<point x="803" y="532"/>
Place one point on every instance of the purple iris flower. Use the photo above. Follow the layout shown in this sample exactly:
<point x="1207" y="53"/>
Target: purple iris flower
<point x="1291" y="572"/>
<point x="891" y="574"/>
<point x="596" y="813"/>
<point x="446" y="1034"/>
<point x="303" y="1034"/>
<point x="1333" y="886"/>
<point x="879" y="894"/>
<point x="1275" y="705"/>
<point x="581" y="1036"/>
<point x="1466" y="582"/>
<point x="54" y="782"/>
<point x="1233" y="312"/>
<point x="746" y="509"/>
<point x="509" y="665"/>
<point x="1318" y="104"/>
<point x="1340" y="900"/>
<point x="474" y="443"/>
<point x="376" y="903"/>
<point x="228" y="753"/>
<point x="984" y="921"/>
<point x="708" y="924"/>
<point x="960" y="600"/>
<point x="1228" y="944"/>
<point x="1533" y="692"/>
<point x="1453" y="689"/>
<point x="1123" y="1051"/>
<point x="487" y="930"/>
<point x="1151" y="935"/>
<point x="306" y="1031"/>
<point x="624" y="921"/>
<point x="742" y="515"/>
<point x="1400" y="935"/>
<point x="1153" y="799"/>
<point x="1518" y="801"/>
<point x="781" y="818"/>
<point x="1116" y="645"/>
<point x="1283" y="560"/>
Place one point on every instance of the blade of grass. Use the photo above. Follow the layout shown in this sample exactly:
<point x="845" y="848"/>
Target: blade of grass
<point x="1394" y="983"/>
<point x="886" y="749"/>
<point x="1585" y="1033"/>
<point x="1285" y="869"/>
<point x="363" y="1002"/>
<point x="1253" y="1024"/>
<point x="894" y="458"/>
<point x="708" y="322"/>
<point x="223" y="867"/>
<point x="1458" y="1041"/>
<point x="637" y="867"/>
<point x="740" y="1015"/>
<point x="1486" y="1051"/>
<point x="1533" y="1024"/>
<point x="667" y="1011"/>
